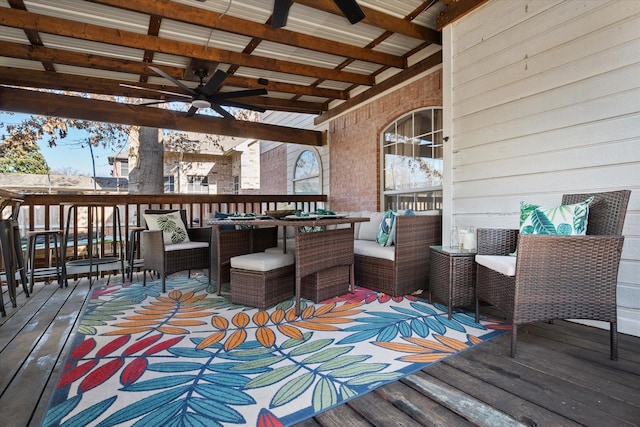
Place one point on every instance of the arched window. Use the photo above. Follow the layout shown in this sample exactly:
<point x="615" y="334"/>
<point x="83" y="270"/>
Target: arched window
<point x="306" y="176"/>
<point x="412" y="161"/>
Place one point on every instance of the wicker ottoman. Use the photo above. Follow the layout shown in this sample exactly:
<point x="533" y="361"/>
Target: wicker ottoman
<point x="262" y="279"/>
<point x="325" y="284"/>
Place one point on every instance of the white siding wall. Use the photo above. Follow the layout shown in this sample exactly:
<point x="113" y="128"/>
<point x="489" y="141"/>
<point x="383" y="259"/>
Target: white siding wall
<point x="542" y="98"/>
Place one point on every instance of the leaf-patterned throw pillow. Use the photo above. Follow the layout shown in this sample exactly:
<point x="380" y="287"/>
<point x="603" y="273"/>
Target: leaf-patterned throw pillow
<point x="173" y="229"/>
<point x="563" y="220"/>
<point x="385" y="227"/>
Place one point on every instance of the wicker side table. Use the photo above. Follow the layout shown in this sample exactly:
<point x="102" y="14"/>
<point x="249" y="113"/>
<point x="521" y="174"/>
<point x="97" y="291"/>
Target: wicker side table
<point x="452" y="276"/>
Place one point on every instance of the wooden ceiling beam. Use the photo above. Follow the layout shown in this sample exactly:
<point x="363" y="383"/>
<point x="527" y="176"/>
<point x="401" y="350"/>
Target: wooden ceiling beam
<point x="59" y="56"/>
<point x="44" y="80"/>
<point x="455" y="10"/>
<point x="50" y="104"/>
<point x="84" y="31"/>
<point x="198" y="16"/>
<point x="381" y="20"/>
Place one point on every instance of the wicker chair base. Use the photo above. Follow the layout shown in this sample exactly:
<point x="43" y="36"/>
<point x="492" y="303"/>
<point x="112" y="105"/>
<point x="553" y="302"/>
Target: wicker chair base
<point x="262" y="289"/>
<point x="325" y="284"/>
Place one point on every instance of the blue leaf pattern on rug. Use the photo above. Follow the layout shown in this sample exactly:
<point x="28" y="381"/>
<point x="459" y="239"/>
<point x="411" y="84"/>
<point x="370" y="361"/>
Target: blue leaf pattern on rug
<point x="187" y="357"/>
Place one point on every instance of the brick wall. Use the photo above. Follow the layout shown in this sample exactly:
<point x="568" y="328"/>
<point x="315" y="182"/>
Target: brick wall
<point x="273" y="171"/>
<point x="355" y="142"/>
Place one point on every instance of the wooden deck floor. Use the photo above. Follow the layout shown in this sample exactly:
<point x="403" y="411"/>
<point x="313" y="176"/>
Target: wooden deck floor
<point x="562" y="375"/>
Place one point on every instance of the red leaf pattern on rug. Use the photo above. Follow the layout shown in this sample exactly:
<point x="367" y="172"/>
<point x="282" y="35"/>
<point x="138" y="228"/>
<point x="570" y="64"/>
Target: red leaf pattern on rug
<point x="100" y="375"/>
<point x="75" y="373"/>
<point x="113" y="346"/>
<point x="267" y="419"/>
<point x="163" y="346"/>
<point x="133" y="371"/>
<point x="139" y="345"/>
<point x="82" y="349"/>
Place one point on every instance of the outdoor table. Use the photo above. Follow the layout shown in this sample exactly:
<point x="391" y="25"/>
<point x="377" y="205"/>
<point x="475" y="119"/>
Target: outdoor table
<point x="452" y="276"/>
<point x="317" y="247"/>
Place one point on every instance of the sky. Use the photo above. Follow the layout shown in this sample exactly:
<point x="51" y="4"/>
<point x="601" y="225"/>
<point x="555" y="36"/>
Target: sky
<point x="69" y="155"/>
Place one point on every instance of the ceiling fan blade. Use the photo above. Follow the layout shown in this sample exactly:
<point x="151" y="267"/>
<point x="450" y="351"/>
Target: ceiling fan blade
<point x="174" y="81"/>
<point x="242" y="105"/>
<point x="224" y="113"/>
<point x="165" y="101"/>
<point x="214" y="83"/>
<point x="350" y="10"/>
<point x="280" y="13"/>
<point x="238" y="94"/>
<point x="166" y="92"/>
<point x="191" y="111"/>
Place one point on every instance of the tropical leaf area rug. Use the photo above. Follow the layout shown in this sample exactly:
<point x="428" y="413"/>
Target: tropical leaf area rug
<point x="189" y="358"/>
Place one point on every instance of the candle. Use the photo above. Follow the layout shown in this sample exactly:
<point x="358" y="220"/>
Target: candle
<point x="469" y="242"/>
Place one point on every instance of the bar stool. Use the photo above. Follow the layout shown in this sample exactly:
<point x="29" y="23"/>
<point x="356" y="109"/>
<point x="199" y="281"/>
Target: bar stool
<point x="12" y="250"/>
<point x="95" y="229"/>
<point x="132" y="261"/>
<point x="48" y="235"/>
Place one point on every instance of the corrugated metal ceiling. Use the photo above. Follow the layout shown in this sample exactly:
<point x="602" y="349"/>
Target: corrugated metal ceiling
<point x="209" y="30"/>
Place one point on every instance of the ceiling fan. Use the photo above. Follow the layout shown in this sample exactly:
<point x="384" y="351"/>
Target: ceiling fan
<point x="349" y="8"/>
<point x="206" y="95"/>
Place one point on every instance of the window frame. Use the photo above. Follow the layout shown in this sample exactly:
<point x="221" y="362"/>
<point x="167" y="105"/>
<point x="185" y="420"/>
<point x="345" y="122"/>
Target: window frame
<point x="419" y="145"/>
<point x="316" y="176"/>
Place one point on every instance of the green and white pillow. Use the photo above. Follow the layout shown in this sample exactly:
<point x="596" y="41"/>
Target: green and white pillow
<point x="385" y="229"/>
<point x="563" y="220"/>
<point x="173" y="229"/>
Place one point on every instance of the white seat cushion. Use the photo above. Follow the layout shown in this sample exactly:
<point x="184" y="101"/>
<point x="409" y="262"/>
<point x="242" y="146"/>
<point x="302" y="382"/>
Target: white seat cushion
<point x="369" y="230"/>
<point x="291" y="246"/>
<point x="373" y="249"/>
<point x="186" y="245"/>
<point x="261" y="261"/>
<point x="503" y="264"/>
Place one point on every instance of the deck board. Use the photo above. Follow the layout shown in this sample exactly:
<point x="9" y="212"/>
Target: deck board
<point x="561" y="375"/>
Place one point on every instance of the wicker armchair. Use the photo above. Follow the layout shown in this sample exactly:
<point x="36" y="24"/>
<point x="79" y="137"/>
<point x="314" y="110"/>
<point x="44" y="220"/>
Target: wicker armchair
<point x="409" y="270"/>
<point x="558" y="277"/>
<point x="166" y="260"/>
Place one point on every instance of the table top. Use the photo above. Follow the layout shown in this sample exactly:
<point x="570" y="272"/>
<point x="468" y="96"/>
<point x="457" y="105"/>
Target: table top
<point x="453" y="251"/>
<point x="298" y="222"/>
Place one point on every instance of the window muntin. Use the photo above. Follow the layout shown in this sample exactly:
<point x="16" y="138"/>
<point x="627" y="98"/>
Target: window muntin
<point x="197" y="184"/>
<point x="169" y="184"/>
<point x="306" y="175"/>
<point x="412" y="161"/>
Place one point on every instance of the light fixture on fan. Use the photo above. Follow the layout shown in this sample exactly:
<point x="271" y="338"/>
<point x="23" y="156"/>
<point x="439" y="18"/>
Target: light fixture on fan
<point x="200" y="101"/>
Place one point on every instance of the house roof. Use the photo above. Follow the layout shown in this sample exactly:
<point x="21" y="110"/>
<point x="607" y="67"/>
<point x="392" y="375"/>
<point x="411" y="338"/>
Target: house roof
<point x="318" y="63"/>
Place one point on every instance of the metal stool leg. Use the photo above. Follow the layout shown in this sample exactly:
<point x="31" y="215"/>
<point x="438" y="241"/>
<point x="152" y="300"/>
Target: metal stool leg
<point x="6" y="241"/>
<point x="17" y="246"/>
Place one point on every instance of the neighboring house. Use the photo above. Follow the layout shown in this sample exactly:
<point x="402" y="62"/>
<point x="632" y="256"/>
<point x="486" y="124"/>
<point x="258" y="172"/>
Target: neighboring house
<point x="52" y="184"/>
<point x="203" y="165"/>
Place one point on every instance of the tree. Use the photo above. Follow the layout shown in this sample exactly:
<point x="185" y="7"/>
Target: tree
<point x="145" y="162"/>
<point x="22" y="159"/>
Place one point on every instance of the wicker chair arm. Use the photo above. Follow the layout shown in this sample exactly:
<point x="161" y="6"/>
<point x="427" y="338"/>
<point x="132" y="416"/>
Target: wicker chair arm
<point x="418" y="231"/>
<point x="497" y="241"/>
<point x="200" y="234"/>
<point x="568" y="267"/>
